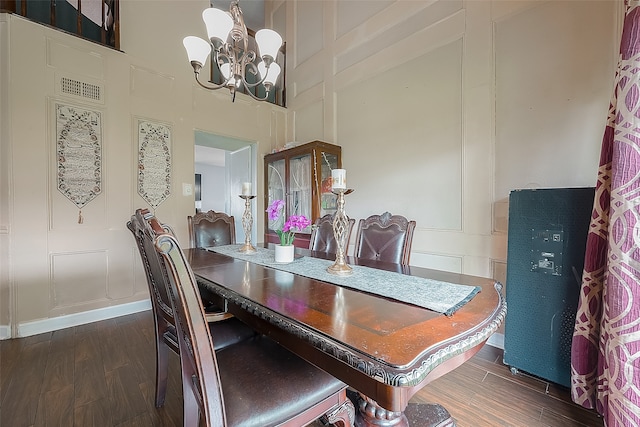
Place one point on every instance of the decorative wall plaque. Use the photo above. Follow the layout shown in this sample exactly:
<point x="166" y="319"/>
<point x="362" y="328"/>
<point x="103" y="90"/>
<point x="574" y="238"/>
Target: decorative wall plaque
<point x="79" y="153"/>
<point x="154" y="162"/>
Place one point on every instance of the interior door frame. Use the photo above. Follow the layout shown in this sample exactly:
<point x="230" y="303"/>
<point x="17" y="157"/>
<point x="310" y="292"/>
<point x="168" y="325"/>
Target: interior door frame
<point x="247" y="174"/>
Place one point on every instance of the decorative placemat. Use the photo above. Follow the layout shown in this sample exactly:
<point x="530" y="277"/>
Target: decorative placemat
<point x="442" y="297"/>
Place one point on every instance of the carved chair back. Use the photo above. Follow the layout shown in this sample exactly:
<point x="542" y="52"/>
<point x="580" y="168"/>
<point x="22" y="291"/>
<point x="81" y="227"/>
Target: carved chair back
<point x="211" y="229"/>
<point x="322" y="238"/>
<point x="385" y="237"/>
<point x="160" y="302"/>
<point x="145" y="229"/>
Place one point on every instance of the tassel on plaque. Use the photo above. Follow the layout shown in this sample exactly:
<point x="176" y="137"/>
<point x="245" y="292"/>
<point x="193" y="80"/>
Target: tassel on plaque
<point x="80" y="218"/>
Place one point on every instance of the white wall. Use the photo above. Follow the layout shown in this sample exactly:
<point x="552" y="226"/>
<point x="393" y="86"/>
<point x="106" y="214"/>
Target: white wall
<point x="443" y="107"/>
<point x="54" y="270"/>
<point x="213" y="187"/>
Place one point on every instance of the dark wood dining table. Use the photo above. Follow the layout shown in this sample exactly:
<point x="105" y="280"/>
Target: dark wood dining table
<point x="384" y="349"/>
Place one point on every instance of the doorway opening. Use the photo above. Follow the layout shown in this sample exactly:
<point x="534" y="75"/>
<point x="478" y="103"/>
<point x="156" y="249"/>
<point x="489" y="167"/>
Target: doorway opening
<point x="224" y="164"/>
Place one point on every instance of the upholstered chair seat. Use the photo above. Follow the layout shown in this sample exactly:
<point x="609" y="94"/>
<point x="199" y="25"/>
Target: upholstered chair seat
<point x="289" y="387"/>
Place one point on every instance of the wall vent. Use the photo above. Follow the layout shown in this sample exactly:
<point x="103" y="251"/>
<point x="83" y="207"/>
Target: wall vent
<point x="80" y="89"/>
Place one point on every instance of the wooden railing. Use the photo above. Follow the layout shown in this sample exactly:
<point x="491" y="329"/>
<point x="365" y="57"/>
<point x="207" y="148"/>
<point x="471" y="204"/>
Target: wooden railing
<point x="103" y="27"/>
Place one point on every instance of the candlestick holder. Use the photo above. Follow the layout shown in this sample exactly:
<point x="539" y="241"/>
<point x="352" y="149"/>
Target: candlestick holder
<point x="247" y="222"/>
<point x="340" y="230"/>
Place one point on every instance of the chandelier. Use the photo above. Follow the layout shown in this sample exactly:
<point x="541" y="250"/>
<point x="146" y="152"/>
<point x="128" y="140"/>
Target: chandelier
<point x="231" y="59"/>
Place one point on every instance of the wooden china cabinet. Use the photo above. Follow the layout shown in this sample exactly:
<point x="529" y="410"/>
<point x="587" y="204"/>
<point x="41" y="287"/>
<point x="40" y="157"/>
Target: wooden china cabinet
<point x="301" y="177"/>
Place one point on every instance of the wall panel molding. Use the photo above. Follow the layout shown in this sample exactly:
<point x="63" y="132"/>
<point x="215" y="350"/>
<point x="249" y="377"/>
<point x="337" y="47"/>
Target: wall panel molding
<point x="308" y="76"/>
<point x="81" y="61"/>
<point x="150" y="84"/>
<point x="389" y="29"/>
<point x="357" y="16"/>
<point x="308" y="39"/>
<point x="452" y="263"/>
<point x="406" y="50"/>
<point x="78" y="278"/>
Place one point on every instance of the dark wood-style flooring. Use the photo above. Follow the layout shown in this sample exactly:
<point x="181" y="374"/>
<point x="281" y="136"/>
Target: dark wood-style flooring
<point x="102" y="374"/>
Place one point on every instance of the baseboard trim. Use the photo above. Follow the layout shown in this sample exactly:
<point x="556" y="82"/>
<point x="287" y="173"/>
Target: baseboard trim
<point x="5" y="332"/>
<point x="496" y="340"/>
<point x="53" y="324"/>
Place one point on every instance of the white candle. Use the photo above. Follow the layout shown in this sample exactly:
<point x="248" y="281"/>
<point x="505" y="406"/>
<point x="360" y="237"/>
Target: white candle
<point x="339" y="179"/>
<point x="246" y="189"/>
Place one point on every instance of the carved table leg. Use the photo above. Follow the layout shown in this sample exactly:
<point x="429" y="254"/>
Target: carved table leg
<point x="369" y="414"/>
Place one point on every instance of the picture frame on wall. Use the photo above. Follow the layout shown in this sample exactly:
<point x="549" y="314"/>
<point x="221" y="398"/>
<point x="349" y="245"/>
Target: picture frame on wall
<point x="198" y="184"/>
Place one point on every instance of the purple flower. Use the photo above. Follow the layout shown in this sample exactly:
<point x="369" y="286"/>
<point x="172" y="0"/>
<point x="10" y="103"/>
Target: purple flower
<point x="293" y="224"/>
<point x="296" y="223"/>
<point x="273" y="211"/>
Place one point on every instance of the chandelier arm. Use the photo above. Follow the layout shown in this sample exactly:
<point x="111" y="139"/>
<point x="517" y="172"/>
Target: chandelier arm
<point x="257" y="98"/>
<point x="254" y="71"/>
<point x="217" y="58"/>
<point x="212" y="86"/>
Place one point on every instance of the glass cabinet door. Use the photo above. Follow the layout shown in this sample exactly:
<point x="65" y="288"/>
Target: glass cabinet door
<point x="276" y="187"/>
<point x="300" y="176"/>
<point x="299" y="200"/>
<point x="328" y="200"/>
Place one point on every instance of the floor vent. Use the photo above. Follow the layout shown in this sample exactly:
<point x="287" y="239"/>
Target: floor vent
<point x="80" y="89"/>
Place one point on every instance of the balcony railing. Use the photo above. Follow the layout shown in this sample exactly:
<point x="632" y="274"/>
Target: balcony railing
<point x="95" y="20"/>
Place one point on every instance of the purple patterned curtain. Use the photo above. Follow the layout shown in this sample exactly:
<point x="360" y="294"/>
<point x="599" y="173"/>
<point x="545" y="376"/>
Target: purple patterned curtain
<point x="605" y="353"/>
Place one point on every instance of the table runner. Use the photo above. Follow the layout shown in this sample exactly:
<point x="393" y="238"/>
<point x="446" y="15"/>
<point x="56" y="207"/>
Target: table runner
<point x="441" y="297"/>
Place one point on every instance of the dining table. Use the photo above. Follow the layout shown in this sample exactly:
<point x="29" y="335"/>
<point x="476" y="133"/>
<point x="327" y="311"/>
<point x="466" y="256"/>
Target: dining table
<point x="386" y="330"/>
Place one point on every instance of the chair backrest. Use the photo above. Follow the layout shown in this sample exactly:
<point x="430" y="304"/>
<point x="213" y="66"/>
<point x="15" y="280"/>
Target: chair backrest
<point x="385" y="237"/>
<point x="211" y="229"/>
<point x="153" y="266"/>
<point x="200" y="375"/>
<point x="322" y="238"/>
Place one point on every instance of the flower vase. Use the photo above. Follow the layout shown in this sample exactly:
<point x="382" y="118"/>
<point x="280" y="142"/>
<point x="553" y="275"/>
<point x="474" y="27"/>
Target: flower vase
<point x="284" y="253"/>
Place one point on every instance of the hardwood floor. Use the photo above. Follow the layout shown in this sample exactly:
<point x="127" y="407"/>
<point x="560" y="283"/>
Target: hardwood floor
<point x="102" y="374"/>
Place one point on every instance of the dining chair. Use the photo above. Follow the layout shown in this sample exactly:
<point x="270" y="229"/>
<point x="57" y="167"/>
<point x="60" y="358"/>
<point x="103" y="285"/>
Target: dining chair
<point x="252" y="383"/>
<point x="211" y="229"/>
<point x="322" y="238"/>
<point x="228" y="330"/>
<point x="385" y="237"/>
<point x="208" y="229"/>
